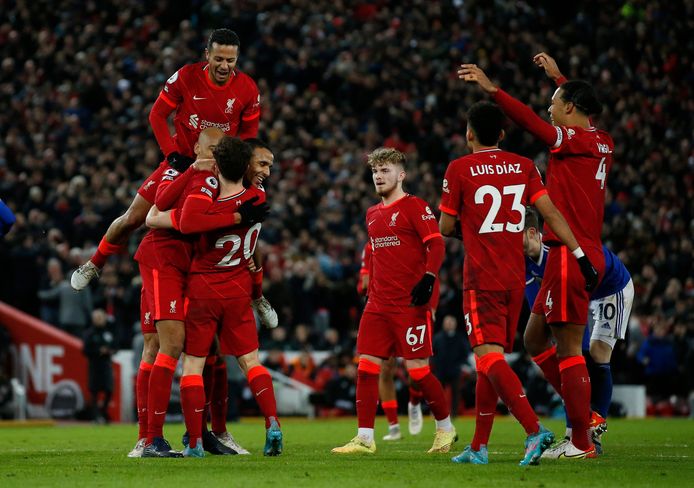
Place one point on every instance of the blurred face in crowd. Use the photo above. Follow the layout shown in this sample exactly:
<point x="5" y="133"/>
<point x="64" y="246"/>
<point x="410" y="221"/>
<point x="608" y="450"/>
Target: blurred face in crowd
<point x="531" y="242"/>
<point x="387" y="178"/>
<point x="260" y="166"/>
<point x="222" y="61"/>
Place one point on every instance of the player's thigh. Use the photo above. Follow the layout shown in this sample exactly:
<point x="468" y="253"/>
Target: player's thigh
<point x="375" y="337"/>
<point x="610" y="317"/>
<point x="562" y="297"/>
<point x="237" y="333"/>
<point x="202" y="317"/>
<point x="412" y="333"/>
<point x="148" y="188"/>
<point x="537" y="336"/>
<point x="168" y="285"/>
<point x="486" y="317"/>
<point x="147" y="301"/>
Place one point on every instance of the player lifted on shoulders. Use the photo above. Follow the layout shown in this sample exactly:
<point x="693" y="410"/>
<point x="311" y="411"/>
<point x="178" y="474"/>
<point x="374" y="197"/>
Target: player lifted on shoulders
<point x="488" y="190"/>
<point x="580" y="159"/>
<point x="212" y="93"/>
<point x="219" y="293"/>
<point x="407" y="252"/>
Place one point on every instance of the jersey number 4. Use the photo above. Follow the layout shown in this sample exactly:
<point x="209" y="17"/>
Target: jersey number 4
<point x="601" y="175"/>
<point x="249" y="242"/>
<point x="517" y="206"/>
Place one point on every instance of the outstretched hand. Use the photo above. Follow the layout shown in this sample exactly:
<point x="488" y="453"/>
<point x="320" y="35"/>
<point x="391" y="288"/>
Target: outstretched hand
<point x="471" y="73"/>
<point x="547" y="62"/>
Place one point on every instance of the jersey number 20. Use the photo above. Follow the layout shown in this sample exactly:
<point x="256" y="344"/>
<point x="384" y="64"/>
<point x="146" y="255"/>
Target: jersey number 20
<point x="249" y="242"/>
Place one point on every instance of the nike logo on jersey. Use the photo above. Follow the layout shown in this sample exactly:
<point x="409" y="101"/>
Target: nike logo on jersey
<point x="198" y="410"/>
<point x="159" y="413"/>
<point x="195" y="97"/>
<point x="415" y="349"/>
<point x="258" y="394"/>
<point x="374" y="220"/>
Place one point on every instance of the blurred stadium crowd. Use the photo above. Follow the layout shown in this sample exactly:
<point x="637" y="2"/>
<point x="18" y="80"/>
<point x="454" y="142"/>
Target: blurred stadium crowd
<point x="77" y="80"/>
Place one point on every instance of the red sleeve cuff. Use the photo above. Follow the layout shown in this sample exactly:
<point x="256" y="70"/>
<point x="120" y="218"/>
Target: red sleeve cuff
<point x="432" y="236"/>
<point x="561" y="80"/>
<point x="252" y="116"/>
<point x="174" y="220"/>
<point x="447" y="210"/>
<point x="167" y="100"/>
<point x="537" y="195"/>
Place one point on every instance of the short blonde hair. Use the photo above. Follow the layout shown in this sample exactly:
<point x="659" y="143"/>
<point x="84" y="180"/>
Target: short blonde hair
<point x="386" y="155"/>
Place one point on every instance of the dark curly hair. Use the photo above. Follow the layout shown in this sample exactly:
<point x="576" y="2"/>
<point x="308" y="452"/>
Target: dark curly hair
<point x="232" y="156"/>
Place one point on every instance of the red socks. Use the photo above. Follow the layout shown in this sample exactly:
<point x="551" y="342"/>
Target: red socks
<point x="260" y="383"/>
<point x="509" y="388"/>
<point x="575" y="389"/>
<point x="141" y="389"/>
<point x="103" y="251"/>
<point x="367" y="392"/>
<point x="257" y="280"/>
<point x="390" y="408"/>
<point x="220" y="395"/>
<point x="549" y="364"/>
<point x="159" y="392"/>
<point x="193" y="405"/>
<point x="415" y="396"/>
<point x="432" y="391"/>
<point x="485" y="409"/>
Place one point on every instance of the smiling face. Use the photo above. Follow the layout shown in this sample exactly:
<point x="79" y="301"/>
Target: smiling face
<point x="260" y="166"/>
<point x="222" y="60"/>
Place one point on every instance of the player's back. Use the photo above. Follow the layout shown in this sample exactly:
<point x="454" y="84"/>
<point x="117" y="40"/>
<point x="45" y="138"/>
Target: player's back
<point x="200" y="103"/>
<point x="488" y="190"/>
<point x="576" y="180"/>
<point x="220" y="261"/>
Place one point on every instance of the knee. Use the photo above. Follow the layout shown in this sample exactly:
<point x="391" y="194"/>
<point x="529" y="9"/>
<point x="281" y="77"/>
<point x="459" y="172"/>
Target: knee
<point x="600" y="352"/>
<point x="248" y="362"/>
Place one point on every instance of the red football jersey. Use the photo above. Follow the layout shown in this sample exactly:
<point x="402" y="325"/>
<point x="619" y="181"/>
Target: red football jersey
<point x="398" y="233"/>
<point x="576" y="177"/>
<point x="489" y="190"/>
<point x="167" y="247"/>
<point x="200" y="103"/>
<point x="220" y="258"/>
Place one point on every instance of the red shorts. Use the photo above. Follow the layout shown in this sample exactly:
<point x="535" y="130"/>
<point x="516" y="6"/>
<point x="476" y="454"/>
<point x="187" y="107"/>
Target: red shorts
<point x="148" y="188"/>
<point x="562" y="296"/>
<point x="230" y="318"/>
<point x="491" y="316"/>
<point x="146" y="315"/>
<point x="162" y="293"/>
<point x="402" y="334"/>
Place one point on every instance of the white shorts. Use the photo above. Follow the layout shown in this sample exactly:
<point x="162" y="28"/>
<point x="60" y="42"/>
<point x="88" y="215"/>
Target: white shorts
<point x="609" y="317"/>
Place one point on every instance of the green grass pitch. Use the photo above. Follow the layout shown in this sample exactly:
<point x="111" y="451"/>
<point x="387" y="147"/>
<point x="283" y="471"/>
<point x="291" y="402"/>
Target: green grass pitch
<point x="637" y="453"/>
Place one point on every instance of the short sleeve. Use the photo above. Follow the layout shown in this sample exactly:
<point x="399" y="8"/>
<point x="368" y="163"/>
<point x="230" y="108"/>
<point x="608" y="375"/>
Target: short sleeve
<point x="535" y="186"/>
<point x="451" y="194"/>
<point x="252" y="108"/>
<point x="424" y="220"/>
<point x="204" y="185"/>
<point x="572" y="140"/>
<point x="172" y="93"/>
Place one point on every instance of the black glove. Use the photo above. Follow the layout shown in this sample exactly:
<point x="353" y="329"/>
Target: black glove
<point x="588" y="272"/>
<point x="179" y="162"/>
<point x="421" y="293"/>
<point x="252" y="214"/>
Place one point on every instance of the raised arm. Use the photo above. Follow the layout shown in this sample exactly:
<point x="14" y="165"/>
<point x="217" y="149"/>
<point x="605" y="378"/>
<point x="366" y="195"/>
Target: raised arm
<point x="521" y="114"/>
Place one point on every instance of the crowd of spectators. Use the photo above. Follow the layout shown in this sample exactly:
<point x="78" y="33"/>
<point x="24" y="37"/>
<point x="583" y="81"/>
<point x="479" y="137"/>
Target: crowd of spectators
<point x="339" y="79"/>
